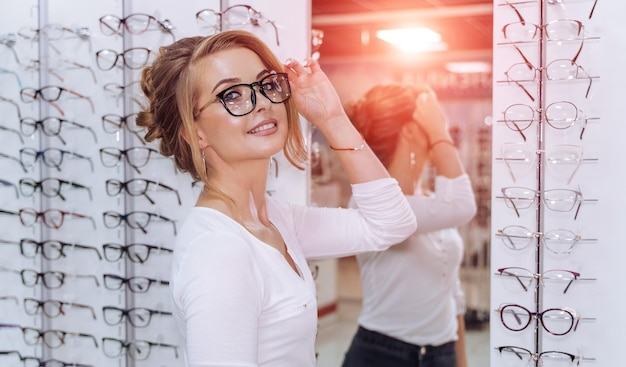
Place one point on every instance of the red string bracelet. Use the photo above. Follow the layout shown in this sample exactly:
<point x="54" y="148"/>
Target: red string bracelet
<point x="360" y="147"/>
<point x="446" y="141"/>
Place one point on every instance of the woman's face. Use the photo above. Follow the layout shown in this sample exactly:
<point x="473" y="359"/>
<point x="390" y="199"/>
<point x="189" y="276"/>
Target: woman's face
<point x="257" y="135"/>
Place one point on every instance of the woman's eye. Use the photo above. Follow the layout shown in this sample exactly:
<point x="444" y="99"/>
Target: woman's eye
<point x="231" y="95"/>
<point x="269" y="87"/>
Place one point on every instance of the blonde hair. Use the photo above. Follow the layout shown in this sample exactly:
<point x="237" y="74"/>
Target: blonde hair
<point x="380" y="115"/>
<point x="171" y="87"/>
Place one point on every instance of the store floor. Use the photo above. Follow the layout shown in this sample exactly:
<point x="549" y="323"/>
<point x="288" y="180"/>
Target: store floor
<point x="335" y="331"/>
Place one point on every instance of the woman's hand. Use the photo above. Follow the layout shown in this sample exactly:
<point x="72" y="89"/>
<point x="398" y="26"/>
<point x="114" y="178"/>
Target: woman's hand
<point x="429" y="115"/>
<point x="315" y="96"/>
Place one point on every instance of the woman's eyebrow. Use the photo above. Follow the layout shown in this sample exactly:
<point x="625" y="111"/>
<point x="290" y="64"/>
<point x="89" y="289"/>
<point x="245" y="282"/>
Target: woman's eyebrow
<point x="224" y="81"/>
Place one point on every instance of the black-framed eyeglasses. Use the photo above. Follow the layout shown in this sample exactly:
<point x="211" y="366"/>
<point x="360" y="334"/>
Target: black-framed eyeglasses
<point x="557" y="321"/>
<point x="234" y="17"/>
<point x="525" y="277"/>
<point x="138" y="187"/>
<point x="112" y="123"/>
<point x="560" y="115"/>
<point x="37" y="362"/>
<point x="558" y="241"/>
<point x="49" y="249"/>
<point x="51" y="94"/>
<point x="240" y="99"/>
<point x="5" y="183"/>
<point x="52" y="338"/>
<point x="52" y="307"/>
<point x="51" y="218"/>
<point x="135" y="252"/>
<point x="558" y="200"/>
<point x="51" y="279"/>
<point x="136" y="349"/>
<point x="559" y="69"/>
<point x="135" y="220"/>
<point x="136" y="24"/>
<point x="136" y="284"/>
<point x="51" y="126"/>
<point x="136" y="157"/>
<point x="552" y="357"/>
<point x="133" y="58"/>
<point x="51" y="157"/>
<point x="138" y="316"/>
<point x="49" y="187"/>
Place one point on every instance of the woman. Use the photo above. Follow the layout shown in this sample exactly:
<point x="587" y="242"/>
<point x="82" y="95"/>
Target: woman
<point x="413" y="315"/>
<point x="242" y="292"/>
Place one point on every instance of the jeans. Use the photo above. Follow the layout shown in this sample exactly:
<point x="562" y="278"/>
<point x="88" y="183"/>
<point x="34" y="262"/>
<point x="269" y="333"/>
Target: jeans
<point x="373" y="349"/>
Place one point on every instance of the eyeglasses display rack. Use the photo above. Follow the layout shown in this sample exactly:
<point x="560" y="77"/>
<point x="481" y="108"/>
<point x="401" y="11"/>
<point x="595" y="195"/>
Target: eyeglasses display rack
<point x="89" y="210"/>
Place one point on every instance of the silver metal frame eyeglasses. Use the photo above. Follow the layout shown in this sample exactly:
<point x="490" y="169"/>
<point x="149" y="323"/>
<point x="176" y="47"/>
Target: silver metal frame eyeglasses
<point x="560" y="115"/>
<point x="557" y="241"/>
<point x="525" y="277"/>
<point x="558" y="69"/>
<point x="562" y="159"/>
<point x="558" y="200"/>
<point x="234" y="17"/>
<point x="240" y="99"/>
<point x="560" y="320"/>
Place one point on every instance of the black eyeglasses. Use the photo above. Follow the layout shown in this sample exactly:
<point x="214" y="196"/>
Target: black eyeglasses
<point x="49" y="249"/>
<point x="50" y="187"/>
<point x="51" y="126"/>
<point x="240" y="99"/>
<point x="234" y="17"/>
<point x="51" y="338"/>
<point x="137" y="284"/>
<point x="51" y="218"/>
<point x="51" y="94"/>
<point x="138" y="316"/>
<point x="135" y="220"/>
<point x="51" y="279"/>
<point x="138" y="187"/>
<point x="136" y="252"/>
<point x="52" y="307"/>
<point x="136" y="349"/>
<point x="556" y="321"/>
<point x="549" y="356"/>
<point x="113" y="123"/>
<point x="136" y="157"/>
<point x="37" y="362"/>
<point x="136" y="24"/>
<point x="133" y="58"/>
<point x="51" y="157"/>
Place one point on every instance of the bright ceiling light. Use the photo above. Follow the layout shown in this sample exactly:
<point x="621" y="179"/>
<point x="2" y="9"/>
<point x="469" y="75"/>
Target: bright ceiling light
<point x="413" y="39"/>
<point x="468" y="67"/>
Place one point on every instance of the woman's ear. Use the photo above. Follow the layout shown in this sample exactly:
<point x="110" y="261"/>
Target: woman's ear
<point x="413" y="133"/>
<point x="202" y="142"/>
